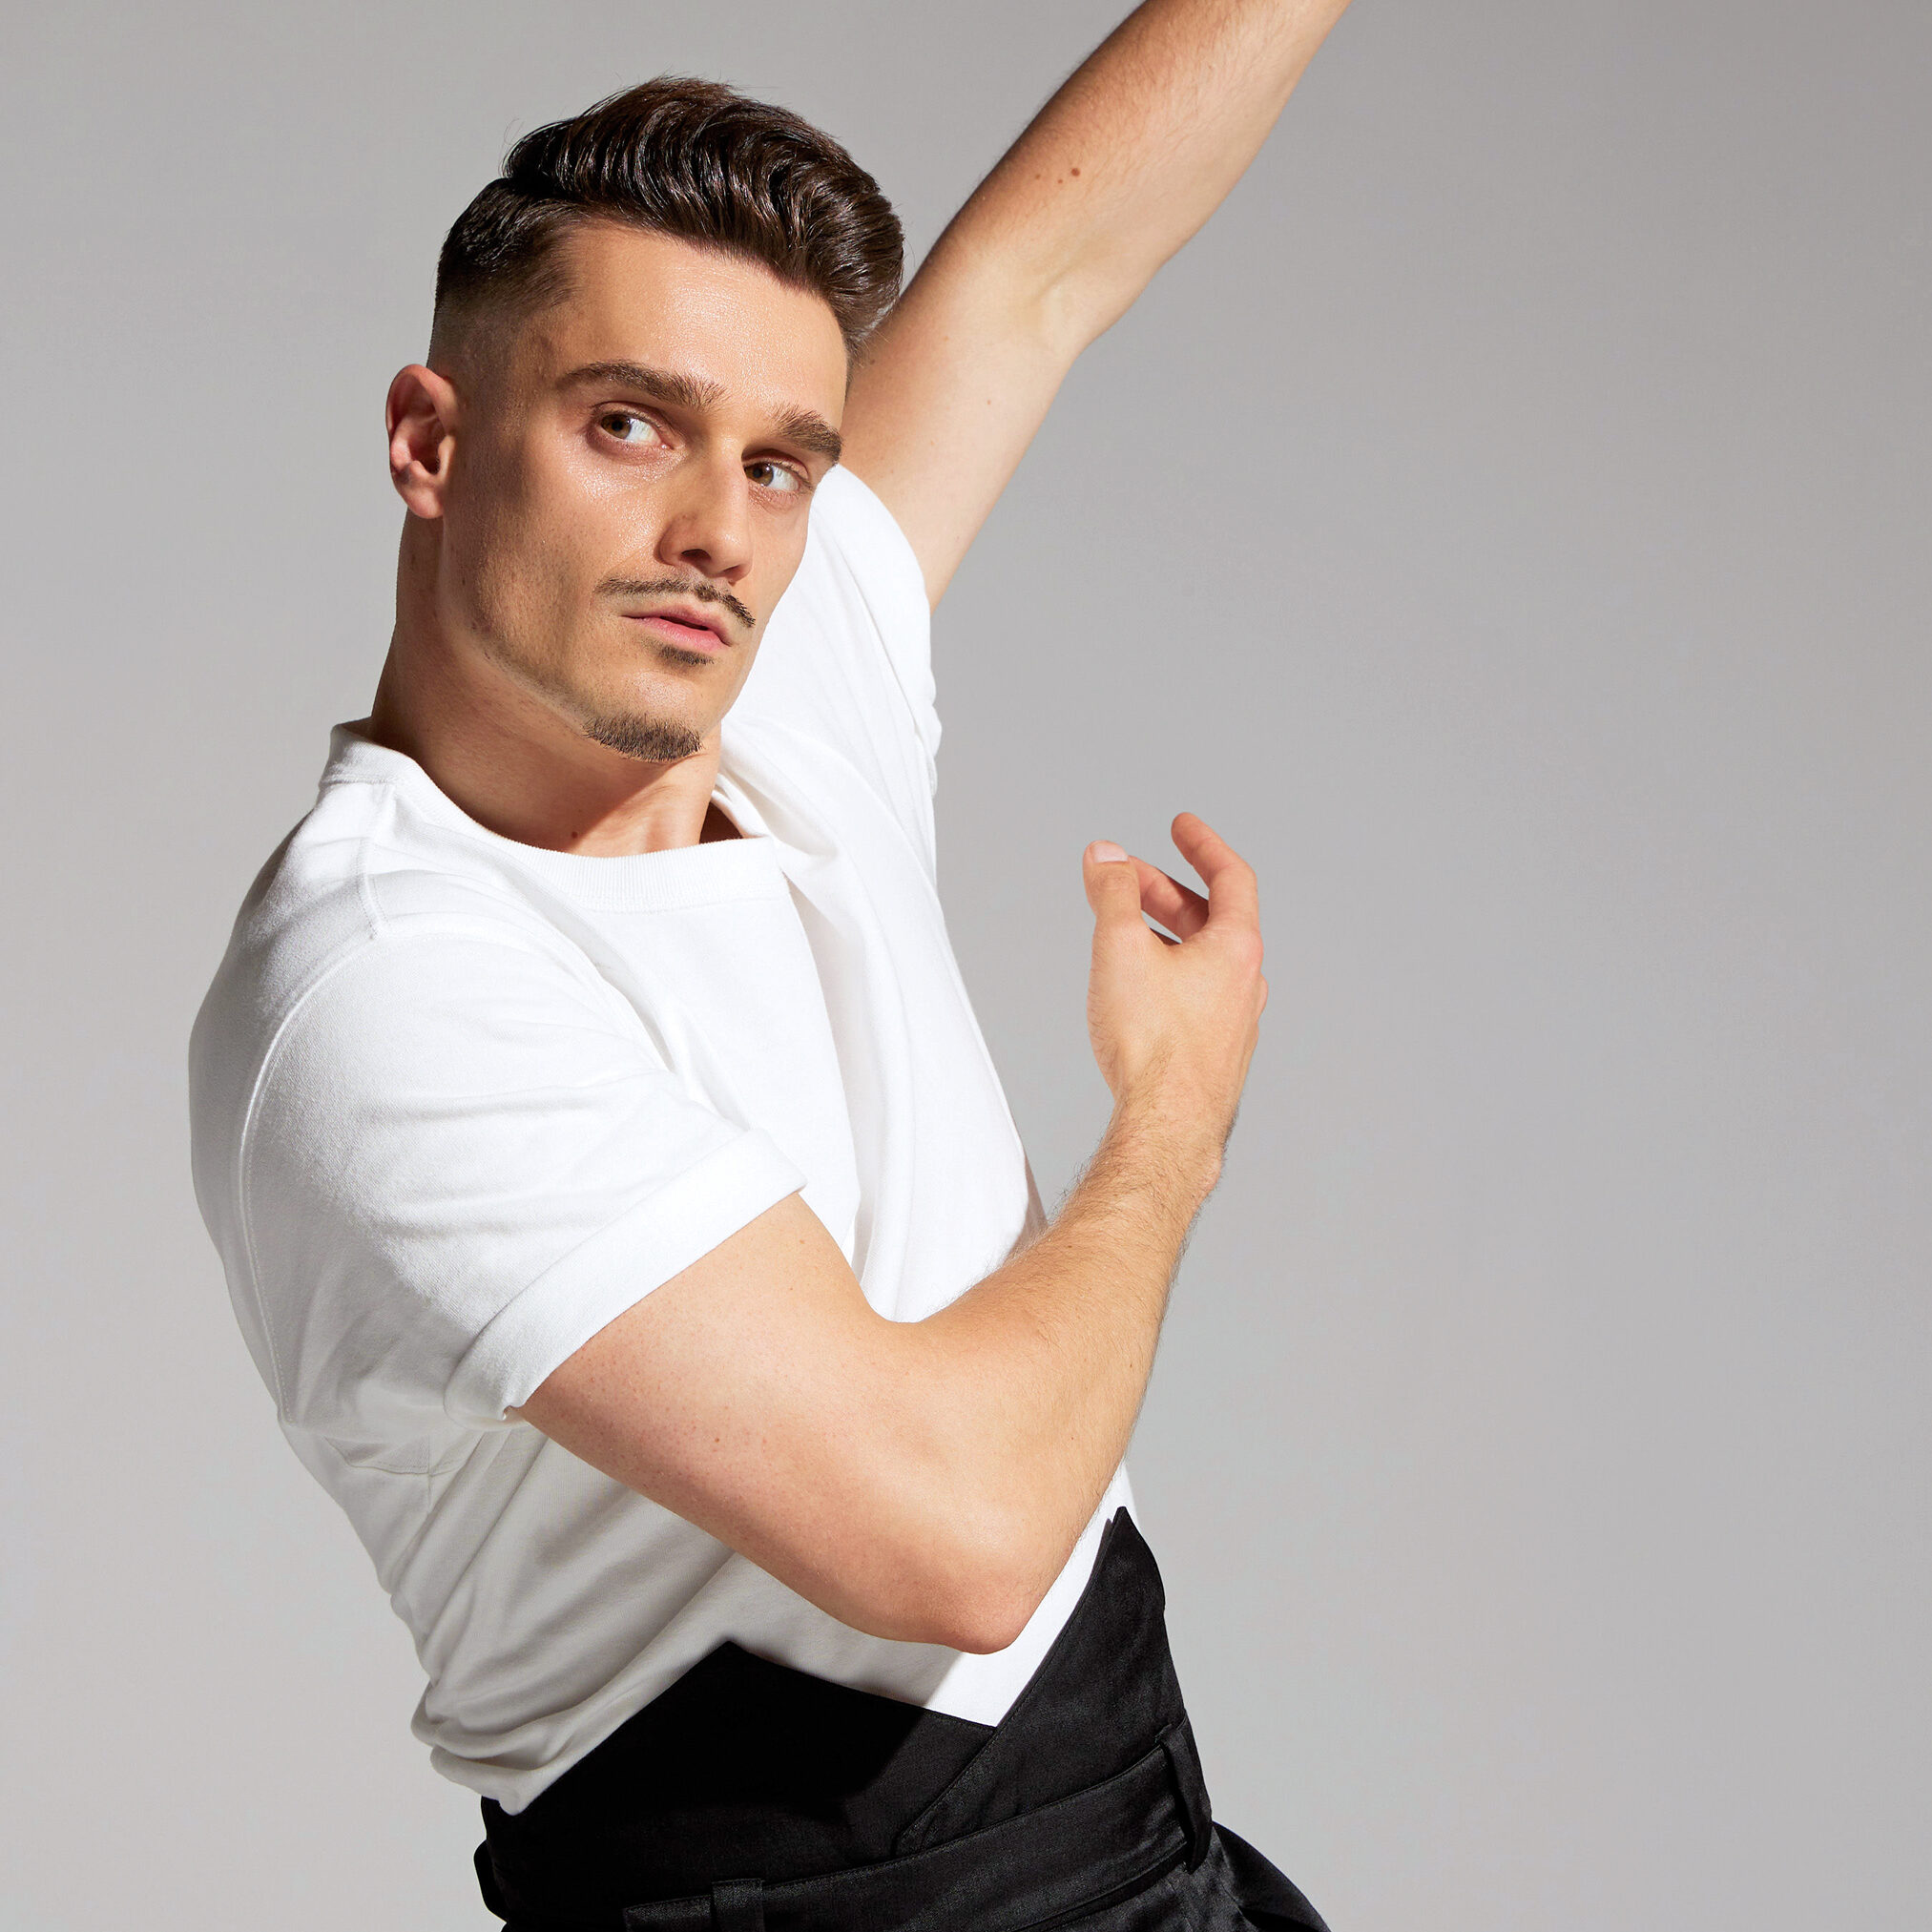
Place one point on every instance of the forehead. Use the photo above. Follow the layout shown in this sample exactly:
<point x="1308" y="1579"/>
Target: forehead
<point x="637" y="296"/>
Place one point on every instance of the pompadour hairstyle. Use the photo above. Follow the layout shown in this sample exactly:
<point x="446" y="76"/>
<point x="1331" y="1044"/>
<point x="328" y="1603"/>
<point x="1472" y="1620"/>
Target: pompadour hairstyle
<point x="685" y="157"/>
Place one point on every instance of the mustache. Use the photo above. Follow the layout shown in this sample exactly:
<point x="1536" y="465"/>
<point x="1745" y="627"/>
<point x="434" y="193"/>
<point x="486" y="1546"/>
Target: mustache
<point x="697" y="591"/>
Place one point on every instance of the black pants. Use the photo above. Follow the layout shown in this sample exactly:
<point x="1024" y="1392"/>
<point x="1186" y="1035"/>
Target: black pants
<point x="752" y="1798"/>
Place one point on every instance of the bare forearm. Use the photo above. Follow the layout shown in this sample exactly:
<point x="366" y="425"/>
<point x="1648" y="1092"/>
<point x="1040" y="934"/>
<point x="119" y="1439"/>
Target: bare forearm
<point x="1034" y="1377"/>
<point x="1039" y="1371"/>
<point x="1136" y="150"/>
<point x="1118" y="169"/>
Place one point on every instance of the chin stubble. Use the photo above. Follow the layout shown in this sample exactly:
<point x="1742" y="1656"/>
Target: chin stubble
<point x="651" y="740"/>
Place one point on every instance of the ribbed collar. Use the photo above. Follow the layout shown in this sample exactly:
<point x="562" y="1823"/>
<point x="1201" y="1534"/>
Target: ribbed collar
<point x="746" y="867"/>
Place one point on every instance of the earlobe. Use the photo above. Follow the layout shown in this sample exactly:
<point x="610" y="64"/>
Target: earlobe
<point x="421" y="417"/>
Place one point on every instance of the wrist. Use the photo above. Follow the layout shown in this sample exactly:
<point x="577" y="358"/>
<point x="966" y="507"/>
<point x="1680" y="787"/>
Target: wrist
<point x="1167" y="1148"/>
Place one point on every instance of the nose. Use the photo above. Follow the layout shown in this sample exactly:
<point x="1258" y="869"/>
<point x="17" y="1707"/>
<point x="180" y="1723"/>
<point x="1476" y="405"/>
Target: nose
<point x="709" y="528"/>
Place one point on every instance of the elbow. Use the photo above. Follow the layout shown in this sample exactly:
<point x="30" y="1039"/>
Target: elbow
<point x="961" y="1542"/>
<point x="982" y="1622"/>
<point x="978" y="1592"/>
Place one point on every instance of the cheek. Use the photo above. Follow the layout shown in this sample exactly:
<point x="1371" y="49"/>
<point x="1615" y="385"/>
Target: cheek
<point x="501" y="569"/>
<point x="529" y="551"/>
<point x="775" y="563"/>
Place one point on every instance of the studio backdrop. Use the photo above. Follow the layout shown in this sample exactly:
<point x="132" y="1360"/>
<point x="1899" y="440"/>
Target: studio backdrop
<point x="1509" y="521"/>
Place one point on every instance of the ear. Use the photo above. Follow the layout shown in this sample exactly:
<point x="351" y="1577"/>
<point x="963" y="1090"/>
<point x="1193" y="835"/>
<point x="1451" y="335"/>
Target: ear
<point x="422" y="421"/>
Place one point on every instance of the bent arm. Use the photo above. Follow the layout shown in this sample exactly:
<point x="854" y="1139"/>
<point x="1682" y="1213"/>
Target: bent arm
<point x="1121" y="166"/>
<point x="927" y="1481"/>
<point x="922" y="1481"/>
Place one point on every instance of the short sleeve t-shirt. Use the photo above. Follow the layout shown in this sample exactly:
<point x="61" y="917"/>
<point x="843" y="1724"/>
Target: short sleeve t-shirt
<point x="458" y="1101"/>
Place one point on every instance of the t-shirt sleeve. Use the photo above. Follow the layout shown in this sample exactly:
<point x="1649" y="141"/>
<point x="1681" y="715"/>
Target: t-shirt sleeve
<point x="847" y="656"/>
<point x="462" y="1159"/>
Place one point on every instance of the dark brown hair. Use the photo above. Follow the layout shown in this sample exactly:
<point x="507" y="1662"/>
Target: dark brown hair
<point x="684" y="158"/>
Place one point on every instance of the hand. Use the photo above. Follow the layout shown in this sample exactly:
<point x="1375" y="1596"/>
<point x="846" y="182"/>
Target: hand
<point x="1173" y="1021"/>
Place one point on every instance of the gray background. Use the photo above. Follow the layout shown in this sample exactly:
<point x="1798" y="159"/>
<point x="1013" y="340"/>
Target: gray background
<point x="1509" y="521"/>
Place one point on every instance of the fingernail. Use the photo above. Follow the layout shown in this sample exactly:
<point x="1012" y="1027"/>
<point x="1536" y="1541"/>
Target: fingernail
<point x="1106" y="852"/>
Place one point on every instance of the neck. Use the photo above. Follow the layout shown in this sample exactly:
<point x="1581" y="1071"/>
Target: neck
<point x="506" y="760"/>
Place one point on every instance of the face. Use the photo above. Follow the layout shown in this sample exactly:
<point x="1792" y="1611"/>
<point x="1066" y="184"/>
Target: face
<point x="628" y="480"/>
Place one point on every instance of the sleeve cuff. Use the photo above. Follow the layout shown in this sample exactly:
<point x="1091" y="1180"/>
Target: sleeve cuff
<point x="613" y="1269"/>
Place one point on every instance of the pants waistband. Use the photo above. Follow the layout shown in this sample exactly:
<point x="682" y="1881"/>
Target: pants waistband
<point x="1060" y="1860"/>
<point x="749" y="1795"/>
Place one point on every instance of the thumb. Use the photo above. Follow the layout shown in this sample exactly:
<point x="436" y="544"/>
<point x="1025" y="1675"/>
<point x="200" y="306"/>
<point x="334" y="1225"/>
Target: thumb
<point x="1113" y="884"/>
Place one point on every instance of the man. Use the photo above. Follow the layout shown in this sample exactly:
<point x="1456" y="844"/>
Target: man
<point x="611" y="1182"/>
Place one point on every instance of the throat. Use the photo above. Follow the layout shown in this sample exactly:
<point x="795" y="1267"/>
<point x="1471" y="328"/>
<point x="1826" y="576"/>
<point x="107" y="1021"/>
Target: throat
<point x="718" y="825"/>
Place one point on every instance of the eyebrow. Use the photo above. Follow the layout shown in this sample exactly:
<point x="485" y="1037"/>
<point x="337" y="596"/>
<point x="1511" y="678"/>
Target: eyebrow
<point x="806" y="428"/>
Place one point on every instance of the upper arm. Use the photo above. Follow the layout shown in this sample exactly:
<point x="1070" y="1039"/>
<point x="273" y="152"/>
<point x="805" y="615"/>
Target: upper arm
<point x="475" y="1195"/>
<point x="461" y="1161"/>
<point x="760" y="1397"/>
<point x="950" y="394"/>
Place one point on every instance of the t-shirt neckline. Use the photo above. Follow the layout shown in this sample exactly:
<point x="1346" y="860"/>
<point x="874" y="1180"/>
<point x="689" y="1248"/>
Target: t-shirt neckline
<point x="744" y="867"/>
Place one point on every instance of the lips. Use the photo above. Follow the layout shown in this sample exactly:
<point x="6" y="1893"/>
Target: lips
<point x="685" y="628"/>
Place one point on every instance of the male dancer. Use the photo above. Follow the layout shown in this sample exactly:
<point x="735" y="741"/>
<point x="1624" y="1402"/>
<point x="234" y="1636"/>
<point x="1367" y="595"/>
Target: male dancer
<point x="610" y="1179"/>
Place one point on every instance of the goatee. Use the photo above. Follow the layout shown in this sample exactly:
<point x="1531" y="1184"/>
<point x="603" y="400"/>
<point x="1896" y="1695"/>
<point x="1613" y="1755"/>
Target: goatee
<point x="650" y="740"/>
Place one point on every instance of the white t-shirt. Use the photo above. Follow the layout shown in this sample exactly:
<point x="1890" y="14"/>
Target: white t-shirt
<point x="458" y="1101"/>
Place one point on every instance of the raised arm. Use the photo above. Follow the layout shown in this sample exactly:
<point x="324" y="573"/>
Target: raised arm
<point x="1116" y="171"/>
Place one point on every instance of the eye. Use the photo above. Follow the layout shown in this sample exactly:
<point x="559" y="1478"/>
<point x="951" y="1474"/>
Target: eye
<point x="628" y="426"/>
<point x="768" y="474"/>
